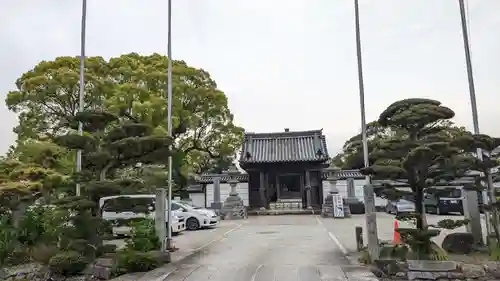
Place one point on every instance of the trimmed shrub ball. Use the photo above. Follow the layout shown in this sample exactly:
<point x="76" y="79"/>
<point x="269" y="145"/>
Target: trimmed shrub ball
<point x="458" y="243"/>
<point x="356" y="206"/>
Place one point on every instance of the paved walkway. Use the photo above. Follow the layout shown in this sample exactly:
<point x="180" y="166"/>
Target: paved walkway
<point x="267" y="248"/>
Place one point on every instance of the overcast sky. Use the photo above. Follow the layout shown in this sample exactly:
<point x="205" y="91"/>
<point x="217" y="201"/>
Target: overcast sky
<point x="283" y="64"/>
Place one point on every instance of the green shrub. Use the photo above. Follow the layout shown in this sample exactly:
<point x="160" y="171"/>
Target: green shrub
<point x="42" y="253"/>
<point x="393" y="251"/>
<point x="133" y="261"/>
<point x="364" y="256"/>
<point x="143" y="236"/>
<point x="106" y="249"/>
<point x="8" y="238"/>
<point x="41" y="224"/>
<point x="494" y="253"/>
<point x="437" y="253"/>
<point x="67" y="263"/>
<point x="30" y="227"/>
<point x="19" y="255"/>
<point x="459" y="243"/>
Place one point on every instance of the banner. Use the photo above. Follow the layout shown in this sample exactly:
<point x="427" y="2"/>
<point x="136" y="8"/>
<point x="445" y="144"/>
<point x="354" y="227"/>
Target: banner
<point x="338" y="206"/>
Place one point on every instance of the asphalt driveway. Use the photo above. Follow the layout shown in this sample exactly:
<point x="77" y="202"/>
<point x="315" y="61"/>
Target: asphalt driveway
<point x="266" y="248"/>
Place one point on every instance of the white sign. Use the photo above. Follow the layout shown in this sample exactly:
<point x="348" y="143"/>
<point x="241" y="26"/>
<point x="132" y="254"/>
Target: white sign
<point x="338" y="206"/>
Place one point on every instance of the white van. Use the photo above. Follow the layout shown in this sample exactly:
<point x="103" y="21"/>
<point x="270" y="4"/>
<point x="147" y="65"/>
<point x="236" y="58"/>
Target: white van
<point x="112" y="212"/>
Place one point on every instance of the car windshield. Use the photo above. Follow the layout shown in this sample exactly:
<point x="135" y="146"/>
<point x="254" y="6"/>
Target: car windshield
<point x="185" y="206"/>
<point x="128" y="204"/>
<point x="404" y="202"/>
<point x="455" y="193"/>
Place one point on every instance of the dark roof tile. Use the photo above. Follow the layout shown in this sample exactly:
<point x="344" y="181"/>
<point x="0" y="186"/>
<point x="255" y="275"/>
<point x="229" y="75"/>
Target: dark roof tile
<point x="299" y="146"/>
<point x="196" y="188"/>
<point x="209" y="178"/>
<point x="338" y="174"/>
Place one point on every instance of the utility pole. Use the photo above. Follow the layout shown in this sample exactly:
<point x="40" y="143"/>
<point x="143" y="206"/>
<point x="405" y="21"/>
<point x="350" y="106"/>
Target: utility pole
<point x="472" y="195"/>
<point x="370" y="214"/>
<point x="82" y="87"/>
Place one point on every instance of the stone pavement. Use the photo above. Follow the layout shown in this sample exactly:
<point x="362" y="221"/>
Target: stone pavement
<point x="266" y="248"/>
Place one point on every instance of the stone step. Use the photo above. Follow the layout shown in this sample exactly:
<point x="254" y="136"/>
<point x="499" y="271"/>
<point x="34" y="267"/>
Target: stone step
<point x="282" y="200"/>
<point x="278" y="212"/>
<point x="286" y="205"/>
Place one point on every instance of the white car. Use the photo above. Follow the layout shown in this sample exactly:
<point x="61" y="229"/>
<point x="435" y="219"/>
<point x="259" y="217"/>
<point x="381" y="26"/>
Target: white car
<point x="110" y="211"/>
<point x="196" y="217"/>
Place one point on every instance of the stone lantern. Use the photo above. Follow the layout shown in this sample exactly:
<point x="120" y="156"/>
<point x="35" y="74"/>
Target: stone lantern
<point x="327" y="210"/>
<point x="332" y="182"/>
<point x="233" y="207"/>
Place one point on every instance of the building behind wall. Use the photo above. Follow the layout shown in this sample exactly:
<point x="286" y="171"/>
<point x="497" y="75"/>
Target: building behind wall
<point x="202" y="194"/>
<point x="285" y="166"/>
<point x="281" y="166"/>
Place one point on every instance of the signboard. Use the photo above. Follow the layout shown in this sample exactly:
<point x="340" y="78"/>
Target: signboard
<point x="338" y="206"/>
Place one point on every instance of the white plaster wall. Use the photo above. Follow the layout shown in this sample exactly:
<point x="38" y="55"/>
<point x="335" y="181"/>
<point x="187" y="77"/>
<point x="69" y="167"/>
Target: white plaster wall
<point x="197" y="199"/>
<point x="358" y="189"/>
<point x="326" y="189"/>
<point x="225" y="188"/>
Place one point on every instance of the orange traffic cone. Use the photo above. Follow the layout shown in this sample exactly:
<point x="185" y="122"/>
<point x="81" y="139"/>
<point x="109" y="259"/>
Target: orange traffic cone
<point x="397" y="236"/>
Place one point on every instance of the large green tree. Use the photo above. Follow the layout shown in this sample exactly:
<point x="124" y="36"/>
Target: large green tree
<point x="131" y="85"/>
<point x="46" y="153"/>
<point x="48" y="94"/>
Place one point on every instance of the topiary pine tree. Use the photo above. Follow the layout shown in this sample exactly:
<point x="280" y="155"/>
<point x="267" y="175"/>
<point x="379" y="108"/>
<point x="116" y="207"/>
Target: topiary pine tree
<point x="107" y="144"/>
<point x="470" y="146"/>
<point x="421" y="155"/>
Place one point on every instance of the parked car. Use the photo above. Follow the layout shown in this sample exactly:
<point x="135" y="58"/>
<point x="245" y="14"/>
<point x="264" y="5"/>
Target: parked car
<point x="444" y="202"/>
<point x="122" y="209"/>
<point x="196" y="217"/>
<point x="400" y="206"/>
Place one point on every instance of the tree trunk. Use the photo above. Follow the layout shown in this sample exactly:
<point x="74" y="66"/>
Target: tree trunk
<point x="18" y="213"/>
<point x="419" y="197"/>
<point x="104" y="171"/>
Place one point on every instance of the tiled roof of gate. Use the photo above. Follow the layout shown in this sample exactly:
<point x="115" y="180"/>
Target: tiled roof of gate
<point x="339" y="174"/>
<point x="209" y="178"/>
<point x="342" y="174"/>
<point x="298" y="146"/>
<point x="196" y="188"/>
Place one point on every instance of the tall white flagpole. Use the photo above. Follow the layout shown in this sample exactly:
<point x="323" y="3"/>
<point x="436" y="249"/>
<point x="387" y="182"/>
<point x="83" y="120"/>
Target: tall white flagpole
<point x="473" y="103"/>
<point x="370" y="214"/>
<point x="169" y="123"/>
<point x="82" y="86"/>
